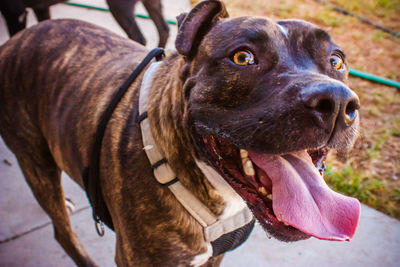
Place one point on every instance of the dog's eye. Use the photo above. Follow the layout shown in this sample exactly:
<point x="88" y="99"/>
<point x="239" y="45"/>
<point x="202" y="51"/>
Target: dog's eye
<point x="336" y="62"/>
<point x="243" y="57"/>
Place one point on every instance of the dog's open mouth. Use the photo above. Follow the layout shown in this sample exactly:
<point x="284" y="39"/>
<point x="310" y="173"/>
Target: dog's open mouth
<point x="286" y="193"/>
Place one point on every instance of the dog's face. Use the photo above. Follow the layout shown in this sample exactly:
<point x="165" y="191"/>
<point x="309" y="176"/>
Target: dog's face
<point x="265" y="101"/>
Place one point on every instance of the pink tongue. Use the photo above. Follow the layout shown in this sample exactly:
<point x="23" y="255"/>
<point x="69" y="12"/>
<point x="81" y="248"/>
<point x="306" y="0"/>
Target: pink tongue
<point x="302" y="199"/>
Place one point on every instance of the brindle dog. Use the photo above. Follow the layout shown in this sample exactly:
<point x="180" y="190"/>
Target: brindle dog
<point x="122" y="10"/>
<point x="249" y="101"/>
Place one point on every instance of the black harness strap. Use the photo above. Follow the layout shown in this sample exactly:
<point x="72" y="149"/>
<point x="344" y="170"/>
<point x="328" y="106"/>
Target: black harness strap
<point x="158" y="163"/>
<point x="142" y="117"/>
<point x="90" y="174"/>
<point x="232" y="240"/>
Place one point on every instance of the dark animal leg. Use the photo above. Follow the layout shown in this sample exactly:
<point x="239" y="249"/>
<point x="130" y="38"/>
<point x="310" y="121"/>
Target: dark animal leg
<point x="154" y="8"/>
<point x="14" y="14"/>
<point x="123" y="12"/>
<point x="42" y="13"/>
<point x="44" y="179"/>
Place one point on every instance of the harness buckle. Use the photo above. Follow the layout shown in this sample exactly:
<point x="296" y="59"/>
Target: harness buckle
<point x="99" y="225"/>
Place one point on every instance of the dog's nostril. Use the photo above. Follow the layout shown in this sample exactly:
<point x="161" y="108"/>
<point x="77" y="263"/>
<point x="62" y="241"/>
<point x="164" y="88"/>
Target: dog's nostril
<point x="350" y="111"/>
<point x="330" y="103"/>
<point x="351" y="115"/>
<point x="324" y="106"/>
<point x="351" y="108"/>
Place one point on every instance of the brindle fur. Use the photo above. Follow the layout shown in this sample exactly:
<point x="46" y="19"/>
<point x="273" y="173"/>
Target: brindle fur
<point x="53" y="93"/>
<point x="48" y="120"/>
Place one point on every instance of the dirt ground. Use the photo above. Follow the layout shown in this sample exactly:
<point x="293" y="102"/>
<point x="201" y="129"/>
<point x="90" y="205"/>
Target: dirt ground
<point x="371" y="172"/>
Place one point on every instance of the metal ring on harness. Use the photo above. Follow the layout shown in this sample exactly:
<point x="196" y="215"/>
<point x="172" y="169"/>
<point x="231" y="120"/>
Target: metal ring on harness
<point x="99" y="225"/>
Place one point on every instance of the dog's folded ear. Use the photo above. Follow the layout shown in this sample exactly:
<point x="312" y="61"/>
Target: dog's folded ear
<point x="180" y="18"/>
<point x="193" y="26"/>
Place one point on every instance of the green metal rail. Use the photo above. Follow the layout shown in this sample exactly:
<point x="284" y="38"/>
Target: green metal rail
<point x="374" y="78"/>
<point x="172" y="22"/>
<point x="352" y="72"/>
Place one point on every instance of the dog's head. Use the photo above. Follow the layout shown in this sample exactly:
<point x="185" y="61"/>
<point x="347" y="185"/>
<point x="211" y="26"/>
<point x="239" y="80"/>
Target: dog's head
<point x="265" y="101"/>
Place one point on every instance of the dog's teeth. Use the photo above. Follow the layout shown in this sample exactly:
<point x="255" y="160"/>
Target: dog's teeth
<point x="286" y="224"/>
<point x="262" y="190"/>
<point x="244" y="153"/>
<point x="247" y="164"/>
<point x="269" y="196"/>
<point x="248" y="168"/>
<point x="278" y="219"/>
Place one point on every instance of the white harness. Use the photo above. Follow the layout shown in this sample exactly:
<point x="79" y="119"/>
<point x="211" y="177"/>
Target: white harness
<point x="213" y="227"/>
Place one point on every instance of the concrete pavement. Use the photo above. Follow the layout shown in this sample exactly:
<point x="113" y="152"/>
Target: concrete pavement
<point x="26" y="234"/>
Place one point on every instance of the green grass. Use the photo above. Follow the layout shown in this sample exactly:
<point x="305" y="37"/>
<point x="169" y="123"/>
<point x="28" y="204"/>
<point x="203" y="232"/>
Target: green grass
<point x="380" y="7"/>
<point x="379" y="36"/>
<point x="349" y="181"/>
<point x="397" y="195"/>
<point x="329" y="18"/>
<point x="286" y="10"/>
<point x="389" y="4"/>
<point x="395" y="130"/>
<point x="373" y="111"/>
<point x="379" y="141"/>
<point x="356" y="183"/>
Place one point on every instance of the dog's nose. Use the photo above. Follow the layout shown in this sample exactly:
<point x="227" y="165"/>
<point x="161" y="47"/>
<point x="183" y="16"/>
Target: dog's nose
<point x="331" y="103"/>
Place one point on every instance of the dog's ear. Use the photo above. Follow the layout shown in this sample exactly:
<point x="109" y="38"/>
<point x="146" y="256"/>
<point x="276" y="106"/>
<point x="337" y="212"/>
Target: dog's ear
<point x="180" y="18"/>
<point x="193" y="26"/>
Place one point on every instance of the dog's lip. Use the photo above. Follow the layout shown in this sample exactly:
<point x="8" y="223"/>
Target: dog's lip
<point x="203" y="129"/>
<point x="222" y="157"/>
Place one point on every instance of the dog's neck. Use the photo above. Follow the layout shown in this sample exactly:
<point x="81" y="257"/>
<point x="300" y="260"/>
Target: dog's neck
<point x="166" y="113"/>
